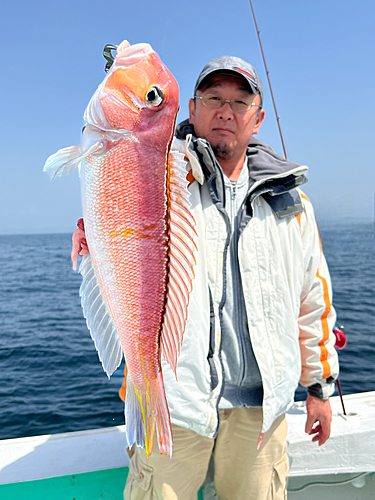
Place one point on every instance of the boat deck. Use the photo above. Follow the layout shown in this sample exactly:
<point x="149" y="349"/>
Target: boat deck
<point x="93" y="464"/>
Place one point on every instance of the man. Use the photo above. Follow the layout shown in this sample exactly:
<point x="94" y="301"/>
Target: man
<point x="260" y="317"/>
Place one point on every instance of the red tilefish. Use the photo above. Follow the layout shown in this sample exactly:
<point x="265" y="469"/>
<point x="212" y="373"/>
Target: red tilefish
<point x="138" y="275"/>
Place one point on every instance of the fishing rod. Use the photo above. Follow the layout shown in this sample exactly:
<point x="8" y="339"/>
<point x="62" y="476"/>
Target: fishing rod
<point x="340" y="343"/>
<point x="269" y="80"/>
<point x="339" y="333"/>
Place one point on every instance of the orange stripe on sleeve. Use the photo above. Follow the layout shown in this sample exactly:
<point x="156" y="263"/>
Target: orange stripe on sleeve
<point x="325" y="328"/>
<point x="304" y="197"/>
<point x="298" y="216"/>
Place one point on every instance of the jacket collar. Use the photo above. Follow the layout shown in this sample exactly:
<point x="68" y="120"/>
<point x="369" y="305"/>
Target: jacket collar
<point x="265" y="166"/>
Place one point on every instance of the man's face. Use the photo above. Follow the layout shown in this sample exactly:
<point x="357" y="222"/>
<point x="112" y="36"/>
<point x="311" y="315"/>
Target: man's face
<point x="227" y="131"/>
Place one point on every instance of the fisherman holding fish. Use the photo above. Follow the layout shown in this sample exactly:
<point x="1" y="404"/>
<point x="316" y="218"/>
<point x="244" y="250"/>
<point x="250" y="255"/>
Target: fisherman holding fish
<point x="262" y="305"/>
<point x="259" y="316"/>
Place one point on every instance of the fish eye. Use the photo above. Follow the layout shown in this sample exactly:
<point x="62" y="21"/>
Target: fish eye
<point x="154" y="96"/>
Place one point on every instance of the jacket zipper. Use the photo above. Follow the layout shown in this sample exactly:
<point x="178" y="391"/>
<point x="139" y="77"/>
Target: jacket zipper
<point x="237" y="285"/>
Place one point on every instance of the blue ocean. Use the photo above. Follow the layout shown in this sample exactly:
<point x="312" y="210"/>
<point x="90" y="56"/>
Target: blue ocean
<point x="51" y="378"/>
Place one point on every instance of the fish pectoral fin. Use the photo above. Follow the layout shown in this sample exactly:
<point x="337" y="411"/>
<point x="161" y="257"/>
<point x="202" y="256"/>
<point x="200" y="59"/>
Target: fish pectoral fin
<point x="66" y="160"/>
<point x="98" y="319"/>
<point x="181" y="249"/>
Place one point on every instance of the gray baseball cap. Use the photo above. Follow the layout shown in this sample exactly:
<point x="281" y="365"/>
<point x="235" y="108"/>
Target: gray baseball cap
<point x="236" y="65"/>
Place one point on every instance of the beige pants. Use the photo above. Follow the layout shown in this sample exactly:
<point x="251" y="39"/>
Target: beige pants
<point x="241" y="471"/>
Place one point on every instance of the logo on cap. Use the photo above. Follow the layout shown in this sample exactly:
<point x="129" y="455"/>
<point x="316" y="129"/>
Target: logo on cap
<point x="244" y="72"/>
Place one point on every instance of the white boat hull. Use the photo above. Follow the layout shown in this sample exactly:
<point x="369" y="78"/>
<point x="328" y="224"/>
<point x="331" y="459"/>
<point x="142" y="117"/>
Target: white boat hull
<point x="347" y="460"/>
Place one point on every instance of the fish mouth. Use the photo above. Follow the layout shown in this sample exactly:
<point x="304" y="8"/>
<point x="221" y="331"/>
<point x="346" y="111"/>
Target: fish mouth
<point x="128" y="55"/>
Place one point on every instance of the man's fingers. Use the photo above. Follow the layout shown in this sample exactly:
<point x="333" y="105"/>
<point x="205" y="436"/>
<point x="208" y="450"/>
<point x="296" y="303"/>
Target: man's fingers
<point x="320" y="433"/>
<point x="84" y="248"/>
<point x="324" y="433"/>
<point x="79" y="245"/>
<point x="75" y="250"/>
<point x="309" y="423"/>
<point x="315" y="429"/>
<point x="81" y="224"/>
<point x="73" y="256"/>
<point x="319" y="416"/>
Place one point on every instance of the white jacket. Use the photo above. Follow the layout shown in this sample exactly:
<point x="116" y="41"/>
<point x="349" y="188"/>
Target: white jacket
<point x="287" y="294"/>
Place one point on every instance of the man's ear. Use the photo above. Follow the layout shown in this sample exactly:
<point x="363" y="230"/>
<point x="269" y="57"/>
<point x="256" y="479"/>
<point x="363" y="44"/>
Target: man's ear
<point x="191" y="111"/>
<point x="259" y="121"/>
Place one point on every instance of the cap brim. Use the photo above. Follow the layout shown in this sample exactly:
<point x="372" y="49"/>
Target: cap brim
<point x="226" y="72"/>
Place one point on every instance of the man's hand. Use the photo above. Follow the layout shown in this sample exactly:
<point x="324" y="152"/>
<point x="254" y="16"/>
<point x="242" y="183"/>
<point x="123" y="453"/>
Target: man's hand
<point x="318" y="412"/>
<point x="79" y="243"/>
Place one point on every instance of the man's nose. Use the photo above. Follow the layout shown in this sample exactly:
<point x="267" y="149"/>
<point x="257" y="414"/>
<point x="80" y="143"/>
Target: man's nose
<point x="226" y="111"/>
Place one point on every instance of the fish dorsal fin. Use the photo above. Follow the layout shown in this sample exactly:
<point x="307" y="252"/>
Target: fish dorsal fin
<point x="181" y="236"/>
<point x="98" y="319"/>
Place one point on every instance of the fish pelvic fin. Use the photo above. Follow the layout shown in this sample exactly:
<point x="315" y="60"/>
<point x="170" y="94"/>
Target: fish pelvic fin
<point x="181" y="249"/>
<point x="145" y="413"/>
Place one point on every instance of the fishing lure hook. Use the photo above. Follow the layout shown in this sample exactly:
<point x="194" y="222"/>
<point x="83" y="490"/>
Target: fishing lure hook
<point x="107" y="53"/>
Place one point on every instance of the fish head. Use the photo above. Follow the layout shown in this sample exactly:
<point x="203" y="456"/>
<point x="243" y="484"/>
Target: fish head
<point x="139" y="94"/>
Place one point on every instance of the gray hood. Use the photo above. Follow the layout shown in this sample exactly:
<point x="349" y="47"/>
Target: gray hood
<point x="270" y="175"/>
<point x="263" y="162"/>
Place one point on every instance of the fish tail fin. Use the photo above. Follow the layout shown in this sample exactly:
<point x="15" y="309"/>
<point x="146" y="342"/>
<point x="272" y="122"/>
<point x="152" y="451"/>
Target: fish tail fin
<point x="134" y="416"/>
<point x="163" y="420"/>
<point x="145" y="412"/>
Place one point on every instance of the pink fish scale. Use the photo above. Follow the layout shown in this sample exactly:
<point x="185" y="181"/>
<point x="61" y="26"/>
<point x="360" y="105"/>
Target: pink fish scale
<point x="134" y="230"/>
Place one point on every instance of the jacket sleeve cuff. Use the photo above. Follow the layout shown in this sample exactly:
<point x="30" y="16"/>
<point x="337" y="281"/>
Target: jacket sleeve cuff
<point x="322" y="391"/>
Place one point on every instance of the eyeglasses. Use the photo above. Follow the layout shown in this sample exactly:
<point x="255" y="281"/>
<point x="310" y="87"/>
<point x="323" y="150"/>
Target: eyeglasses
<point x="216" y="102"/>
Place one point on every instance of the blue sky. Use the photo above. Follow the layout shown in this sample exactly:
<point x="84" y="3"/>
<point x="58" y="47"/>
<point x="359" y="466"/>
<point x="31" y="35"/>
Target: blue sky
<point x="320" y="57"/>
